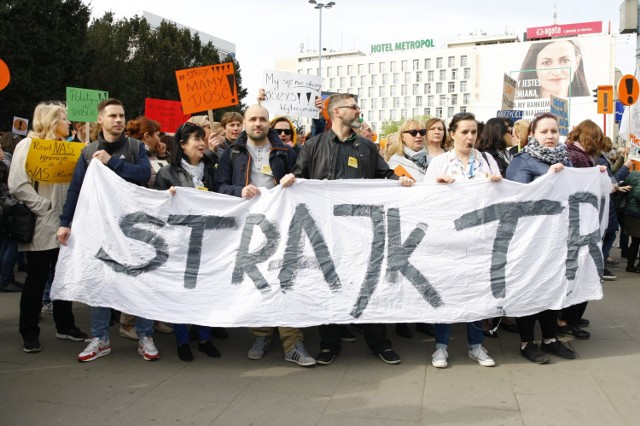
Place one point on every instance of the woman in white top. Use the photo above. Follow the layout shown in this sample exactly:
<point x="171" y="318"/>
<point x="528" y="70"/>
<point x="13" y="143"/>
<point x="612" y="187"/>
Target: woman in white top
<point x="462" y="163"/>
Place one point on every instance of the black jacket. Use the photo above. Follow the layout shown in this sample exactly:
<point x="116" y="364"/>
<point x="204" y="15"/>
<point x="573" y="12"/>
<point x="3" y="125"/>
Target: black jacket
<point x="317" y="159"/>
<point x="174" y="175"/>
<point x="234" y="169"/>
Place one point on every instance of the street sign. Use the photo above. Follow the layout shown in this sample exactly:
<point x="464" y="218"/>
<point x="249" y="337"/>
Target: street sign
<point x="628" y="89"/>
<point x="605" y="99"/>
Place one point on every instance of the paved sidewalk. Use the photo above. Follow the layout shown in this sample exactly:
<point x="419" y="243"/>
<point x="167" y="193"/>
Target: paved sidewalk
<point x="602" y="386"/>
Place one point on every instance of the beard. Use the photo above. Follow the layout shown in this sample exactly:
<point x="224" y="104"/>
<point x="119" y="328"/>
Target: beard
<point x="354" y="123"/>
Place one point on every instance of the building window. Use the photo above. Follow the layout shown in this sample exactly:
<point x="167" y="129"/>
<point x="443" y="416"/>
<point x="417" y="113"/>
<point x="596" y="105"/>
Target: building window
<point x="419" y="76"/>
<point x="403" y="89"/>
<point x="374" y="103"/>
<point x="343" y="82"/>
<point x="392" y="66"/>
<point x="332" y="82"/>
<point x="385" y="79"/>
<point x="393" y="91"/>
<point x="463" y="86"/>
<point x="396" y="102"/>
<point x="416" y="112"/>
<point x="430" y="76"/>
<point x="404" y="65"/>
<point x="451" y="61"/>
<point x="363" y="80"/>
<point x="381" y="115"/>
<point x="371" y="69"/>
<point x="467" y="73"/>
<point x="463" y="109"/>
<point x="350" y="70"/>
<point x="454" y="99"/>
<point x="443" y="75"/>
<point x="385" y="103"/>
<point x="463" y="60"/>
<point x="360" y="92"/>
<point x="416" y="89"/>
<point x="370" y="92"/>
<point x="393" y="114"/>
<point x="443" y="100"/>
<point x="438" y="87"/>
<point x="381" y="67"/>
<point x="452" y="87"/>
<point x="427" y="63"/>
<point x="430" y="101"/>
<point x="340" y="70"/>
<point x="454" y="74"/>
<point x="363" y="103"/>
<point x="438" y="63"/>
<point x="450" y="112"/>
<point x="427" y="88"/>
<point x="370" y="116"/>
<point x="360" y="68"/>
<point x="407" y="101"/>
<point x="418" y="101"/>
<point x="374" y="78"/>
<point x="329" y="71"/>
<point x="465" y="99"/>
<point x="407" y="77"/>
<point x="439" y="112"/>
<point x="381" y="91"/>
<point x="416" y="64"/>
<point x="352" y="80"/>
<point x="427" y="112"/>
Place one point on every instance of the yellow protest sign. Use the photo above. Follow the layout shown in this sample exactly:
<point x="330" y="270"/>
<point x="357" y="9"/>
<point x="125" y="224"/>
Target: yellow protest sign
<point x="52" y="161"/>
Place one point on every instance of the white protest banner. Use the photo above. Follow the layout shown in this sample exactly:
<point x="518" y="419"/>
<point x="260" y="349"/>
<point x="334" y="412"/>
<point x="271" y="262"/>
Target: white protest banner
<point x="352" y="251"/>
<point x="291" y="94"/>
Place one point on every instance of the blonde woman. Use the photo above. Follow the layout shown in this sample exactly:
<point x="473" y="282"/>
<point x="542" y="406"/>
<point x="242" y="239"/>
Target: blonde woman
<point x="46" y="201"/>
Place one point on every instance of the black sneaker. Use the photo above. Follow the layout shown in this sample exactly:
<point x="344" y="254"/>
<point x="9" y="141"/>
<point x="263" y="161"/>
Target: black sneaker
<point x="389" y="356"/>
<point x="558" y="349"/>
<point x="608" y="275"/>
<point x="346" y="335"/>
<point x="10" y="288"/>
<point x="583" y="322"/>
<point x="632" y="269"/>
<point x="31" y="346"/>
<point x="572" y="330"/>
<point x="325" y="357"/>
<point x="73" y="334"/>
<point x="184" y="352"/>
<point x="534" y="354"/>
<point x="208" y="348"/>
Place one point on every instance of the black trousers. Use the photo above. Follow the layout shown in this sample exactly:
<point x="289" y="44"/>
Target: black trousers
<point x="39" y="265"/>
<point x="572" y="314"/>
<point x="375" y="335"/>
<point x="548" y="324"/>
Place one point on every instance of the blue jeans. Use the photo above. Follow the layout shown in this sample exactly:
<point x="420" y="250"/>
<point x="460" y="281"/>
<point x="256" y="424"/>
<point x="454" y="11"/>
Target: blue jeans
<point x="607" y="243"/>
<point x="100" y="318"/>
<point x="8" y="258"/>
<point x="182" y="333"/>
<point x="474" y="334"/>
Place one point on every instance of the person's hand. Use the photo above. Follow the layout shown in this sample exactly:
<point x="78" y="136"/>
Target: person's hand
<point x="250" y="191"/>
<point x="172" y="190"/>
<point x="628" y="163"/>
<point x="625" y="188"/>
<point x="63" y="235"/>
<point x="556" y="168"/>
<point x="102" y="156"/>
<point x="603" y="169"/>
<point x="287" y="180"/>
<point x="262" y="95"/>
<point x="319" y="103"/>
<point x="445" y="179"/>
<point x="495" y="178"/>
<point x="406" y="181"/>
<point x="215" y="140"/>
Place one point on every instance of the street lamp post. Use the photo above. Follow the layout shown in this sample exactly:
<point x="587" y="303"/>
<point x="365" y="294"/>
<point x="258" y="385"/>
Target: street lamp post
<point x="321" y="6"/>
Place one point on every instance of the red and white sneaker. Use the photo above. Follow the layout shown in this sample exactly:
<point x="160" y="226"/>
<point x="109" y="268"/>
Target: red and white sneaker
<point x="148" y="349"/>
<point x="95" y="349"/>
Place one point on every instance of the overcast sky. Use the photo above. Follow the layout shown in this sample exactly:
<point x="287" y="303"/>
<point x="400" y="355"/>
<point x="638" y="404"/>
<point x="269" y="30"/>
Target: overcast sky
<point x="263" y="30"/>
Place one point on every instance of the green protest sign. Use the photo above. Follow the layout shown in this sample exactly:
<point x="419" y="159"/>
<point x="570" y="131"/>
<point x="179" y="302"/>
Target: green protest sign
<point x="82" y="104"/>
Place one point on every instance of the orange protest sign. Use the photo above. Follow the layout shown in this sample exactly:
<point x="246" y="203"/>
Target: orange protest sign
<point x="5" y="76"/>
<point x="401" y="171"/>
<point x="628" y="90"/>
<point x="605" y="99"/>
<point x="210" y="87"/>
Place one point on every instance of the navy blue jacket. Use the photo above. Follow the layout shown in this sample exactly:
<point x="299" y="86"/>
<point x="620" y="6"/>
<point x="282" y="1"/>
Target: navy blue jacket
<point x="231" y="178"/>
<point x="525" y="169"/>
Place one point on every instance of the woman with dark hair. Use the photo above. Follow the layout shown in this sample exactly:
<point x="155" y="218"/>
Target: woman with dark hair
<point x="46" y="201"/>
<point x="543" y="154"/>
<point x="552" y="68"/>
<point x="147" y="131"/>
<point x="462" y="163"/>
<point x="189" y="168"/>
<point x="495" y="140"/>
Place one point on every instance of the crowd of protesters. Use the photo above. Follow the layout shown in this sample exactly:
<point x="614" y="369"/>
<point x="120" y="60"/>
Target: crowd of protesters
<point x="243" y="153"/>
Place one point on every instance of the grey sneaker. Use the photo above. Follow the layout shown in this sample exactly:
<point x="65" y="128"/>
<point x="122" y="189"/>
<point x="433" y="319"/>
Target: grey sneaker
<point x="261" y="346"/>
<point x="300" y="356"/>
<point x="439" y="358"/>
<point x="480" y="355"/>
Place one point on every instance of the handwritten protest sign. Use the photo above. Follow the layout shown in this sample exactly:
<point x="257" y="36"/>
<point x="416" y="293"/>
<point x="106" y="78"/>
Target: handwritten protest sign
<point x="325" y="252"/>
<point x="291" y="94"/>
<point x="52" y="161"/>
<point x="168" y="113"/>
<point x="82" y="104"/>
<point x="210" y="87"/>
<point x="560" y="108"/>
<point x="20" y="126"/>
<point x="508" y="92"/>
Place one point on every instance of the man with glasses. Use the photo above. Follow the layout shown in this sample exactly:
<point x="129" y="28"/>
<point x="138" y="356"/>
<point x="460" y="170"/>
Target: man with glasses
<point x="339" y="153"/>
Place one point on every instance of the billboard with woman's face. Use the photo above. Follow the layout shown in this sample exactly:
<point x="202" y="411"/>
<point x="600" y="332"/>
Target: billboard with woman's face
<point x="566" y="68"/>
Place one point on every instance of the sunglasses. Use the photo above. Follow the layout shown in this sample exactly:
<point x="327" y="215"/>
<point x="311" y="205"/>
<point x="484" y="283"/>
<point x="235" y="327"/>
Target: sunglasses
<point x="540" y="115"/>
<point x="287" y="132"/>
<point x="353" y="107"/>
<point x="415" y="133"/>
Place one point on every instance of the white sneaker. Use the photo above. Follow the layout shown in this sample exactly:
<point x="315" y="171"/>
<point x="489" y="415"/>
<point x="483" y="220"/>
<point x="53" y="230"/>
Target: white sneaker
<point x="95" y="350"/>
<point x="300" y="356"/>
<point x="260" y="347"/>
<point x="47" y="308"/>
<point x="481" y="355"/>
<point x="148" y="349"/>
<point x="439" y="358"/>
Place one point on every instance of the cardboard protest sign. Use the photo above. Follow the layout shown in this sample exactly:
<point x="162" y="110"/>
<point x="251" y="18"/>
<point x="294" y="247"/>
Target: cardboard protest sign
<point x="209" y="87"/>
<point x="508" y="92"/>
<point x="52" y="161"/>
<point x="560" y="108"/>
<point x="82" y="104"/>
<point x="168" y="113"/>
<point x="20" y="126"/>
<point x="291" y="94"/>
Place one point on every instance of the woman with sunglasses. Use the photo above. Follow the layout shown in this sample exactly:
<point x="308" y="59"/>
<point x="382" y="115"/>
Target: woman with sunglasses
<point x="543" y="154"/>
<point x="189" y="167"/>
<point x="462" y="163"/>
<point x="286" y="131"/>
<point x="410" y="158"/>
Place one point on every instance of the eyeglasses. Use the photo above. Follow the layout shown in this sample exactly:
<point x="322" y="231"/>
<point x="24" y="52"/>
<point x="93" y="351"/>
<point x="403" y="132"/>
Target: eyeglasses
<point x="414" y="133"/>
<point x="285" y="131"/>
<point x="353" y="107"/>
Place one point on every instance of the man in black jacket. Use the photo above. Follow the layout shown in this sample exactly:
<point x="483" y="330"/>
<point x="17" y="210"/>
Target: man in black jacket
<point x="339" y="153"/>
